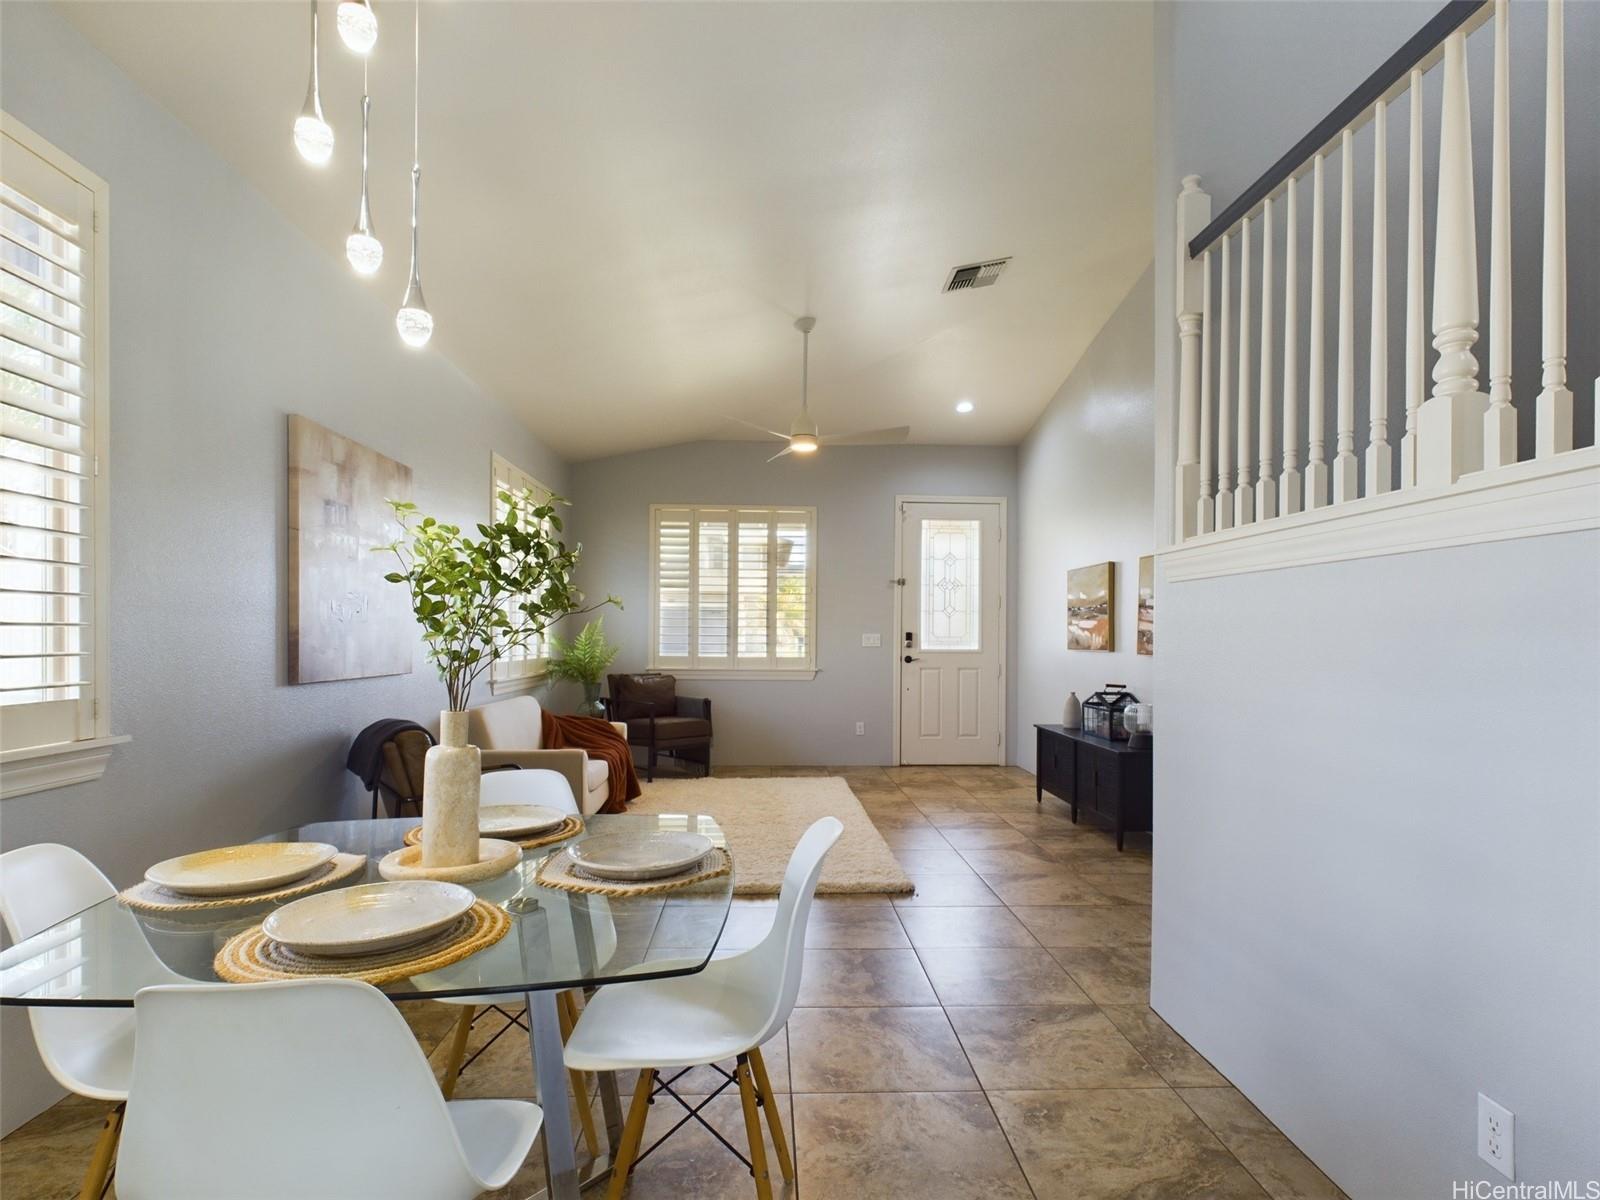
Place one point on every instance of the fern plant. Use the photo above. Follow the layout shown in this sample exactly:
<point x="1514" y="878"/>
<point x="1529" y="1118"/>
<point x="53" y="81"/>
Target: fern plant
<point x="585" y="658"/>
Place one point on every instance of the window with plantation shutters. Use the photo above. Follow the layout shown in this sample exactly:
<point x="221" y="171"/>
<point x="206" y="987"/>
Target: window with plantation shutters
<point x="53" y="549"/>
<point x="733" y="589"/>
<point x="515" y="666"/>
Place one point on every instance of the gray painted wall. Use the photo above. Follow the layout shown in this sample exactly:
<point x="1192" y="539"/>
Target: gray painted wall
<point x="1369" y="910"/>
<point x="853" y="489"/>
<point x="205" y="365"/>
<point x="1084" y="495"/>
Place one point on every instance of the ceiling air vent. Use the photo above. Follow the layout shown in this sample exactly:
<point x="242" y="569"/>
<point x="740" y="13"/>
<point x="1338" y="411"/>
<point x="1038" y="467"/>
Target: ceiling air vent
<point x="975" y="275"/>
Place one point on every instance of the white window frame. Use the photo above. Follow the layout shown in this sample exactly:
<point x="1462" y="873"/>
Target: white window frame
<point x="35" y="768"/>
<point x="509" y="677"/>
<point x="693" y="666"/>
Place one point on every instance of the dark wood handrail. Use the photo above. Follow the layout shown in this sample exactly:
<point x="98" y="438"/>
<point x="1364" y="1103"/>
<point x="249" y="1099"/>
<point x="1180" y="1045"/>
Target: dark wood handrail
<point x="1425" y="41"/>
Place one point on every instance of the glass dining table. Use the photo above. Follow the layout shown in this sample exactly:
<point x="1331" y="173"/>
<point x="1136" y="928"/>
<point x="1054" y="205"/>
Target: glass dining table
<point x="559" y="940"/>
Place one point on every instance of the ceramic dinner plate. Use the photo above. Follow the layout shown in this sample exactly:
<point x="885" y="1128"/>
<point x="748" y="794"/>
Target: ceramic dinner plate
<point x="233" y="870"/>
<point x="367" y="919"/>
<point x="640" y="856"/>
<point x="502" y="820"/>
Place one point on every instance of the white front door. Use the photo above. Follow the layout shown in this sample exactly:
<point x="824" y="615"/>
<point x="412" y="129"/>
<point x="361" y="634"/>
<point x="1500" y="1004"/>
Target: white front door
<point x="951" y="638"/>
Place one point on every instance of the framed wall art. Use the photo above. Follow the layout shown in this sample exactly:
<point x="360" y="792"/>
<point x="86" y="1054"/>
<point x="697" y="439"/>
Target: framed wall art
<point x="345" y="621"/>
<point x="1091" y="607"/>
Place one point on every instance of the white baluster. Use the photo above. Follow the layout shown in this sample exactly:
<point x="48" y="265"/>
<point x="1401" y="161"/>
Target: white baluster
<point x="1416" y="364"/>
<point x="1316" y="384"/>
<point x="1380" y="457"/>
<point x="1289" y="481"/>
<point x="1244" y="506"/>
<point x="1500" y="422"/>
<point x="1206" y="517"/>
<point x="1553" y="420"/>
<point x="1194" y="210"/>
<point x="1266" y="486"/>
<point x="1450" y="422"/>
<point x="1225" y="397"/>
<point x="1345" y="470"/>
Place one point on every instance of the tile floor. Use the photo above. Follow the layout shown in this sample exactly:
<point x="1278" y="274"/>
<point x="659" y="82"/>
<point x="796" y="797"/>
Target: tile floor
<point x="986" y="1038"/>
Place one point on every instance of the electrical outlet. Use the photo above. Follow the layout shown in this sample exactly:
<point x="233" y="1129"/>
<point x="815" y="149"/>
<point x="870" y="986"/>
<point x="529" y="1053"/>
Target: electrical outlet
<point x="861" y="728"/>
<point x="1496" y="1127"/>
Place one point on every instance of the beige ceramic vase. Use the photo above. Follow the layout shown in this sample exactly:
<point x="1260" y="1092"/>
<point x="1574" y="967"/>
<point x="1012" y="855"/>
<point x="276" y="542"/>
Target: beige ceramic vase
<point x="450" y="779"/>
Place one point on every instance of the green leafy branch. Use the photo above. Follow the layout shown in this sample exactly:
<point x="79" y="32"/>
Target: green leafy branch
<point x="478" y="599"/>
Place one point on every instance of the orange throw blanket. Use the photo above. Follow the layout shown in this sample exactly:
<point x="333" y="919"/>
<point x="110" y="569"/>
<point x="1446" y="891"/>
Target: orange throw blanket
<point x="599" y="740"/>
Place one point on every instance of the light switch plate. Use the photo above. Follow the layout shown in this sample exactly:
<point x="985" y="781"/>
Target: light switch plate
<point x="872" y="639"/>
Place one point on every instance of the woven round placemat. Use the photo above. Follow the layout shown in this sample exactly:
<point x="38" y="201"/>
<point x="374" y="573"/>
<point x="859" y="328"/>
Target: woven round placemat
<point x="570" y="828"/>
<point x="559" y="871"/>
<point x="145" y="896"/>
<point x="253" y="957"/>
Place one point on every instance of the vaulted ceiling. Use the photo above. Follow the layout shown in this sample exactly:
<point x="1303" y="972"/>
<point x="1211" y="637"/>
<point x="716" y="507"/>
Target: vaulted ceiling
<point x="625" y="206"/>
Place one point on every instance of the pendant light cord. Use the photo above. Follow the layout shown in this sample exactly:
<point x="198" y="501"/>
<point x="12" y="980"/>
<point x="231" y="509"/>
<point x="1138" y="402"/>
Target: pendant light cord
<point x="416" y="130"/>
<point x="416" y="88"/>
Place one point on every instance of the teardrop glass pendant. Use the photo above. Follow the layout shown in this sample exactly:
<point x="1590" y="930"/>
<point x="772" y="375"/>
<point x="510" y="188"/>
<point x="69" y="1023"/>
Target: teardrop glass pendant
<point x="313" y="136"/>
<point x="414" y="321"/>
<point x="362" y="247"/>
<point x="358" y="25"/>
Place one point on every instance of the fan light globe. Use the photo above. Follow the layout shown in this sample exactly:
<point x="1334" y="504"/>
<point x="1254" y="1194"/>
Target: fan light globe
<point x="365" y="253"/>
<point x="358" y="25"/>
<point x="415" y="326"/>
<point x="803" y="443"/>
<point x="313" y="138"/>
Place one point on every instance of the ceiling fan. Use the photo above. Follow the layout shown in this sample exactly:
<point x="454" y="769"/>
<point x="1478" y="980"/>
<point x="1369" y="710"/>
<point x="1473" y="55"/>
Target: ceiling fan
<point x="803" y="437"/>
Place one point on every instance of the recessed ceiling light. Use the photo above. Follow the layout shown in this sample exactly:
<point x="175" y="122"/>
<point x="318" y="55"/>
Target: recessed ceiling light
<point x="964" y="406"/>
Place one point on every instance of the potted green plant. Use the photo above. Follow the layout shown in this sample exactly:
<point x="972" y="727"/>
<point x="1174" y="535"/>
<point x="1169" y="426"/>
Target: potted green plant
<point x="476" y="599"/>
<point x="584" y="660"/>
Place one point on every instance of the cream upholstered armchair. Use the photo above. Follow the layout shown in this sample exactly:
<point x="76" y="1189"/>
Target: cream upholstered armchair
<point x="508" y="734"/>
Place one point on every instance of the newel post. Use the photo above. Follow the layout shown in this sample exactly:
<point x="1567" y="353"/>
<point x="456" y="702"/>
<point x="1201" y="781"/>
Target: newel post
<point x="1194" y="213"/>
<point x="1450" y="422"/>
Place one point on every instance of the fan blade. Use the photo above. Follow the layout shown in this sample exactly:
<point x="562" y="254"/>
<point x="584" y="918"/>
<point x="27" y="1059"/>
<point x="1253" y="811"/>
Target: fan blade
<point x="781" y="453"/>
<point x="872" y="437"/>
<point x="758" y="428"/>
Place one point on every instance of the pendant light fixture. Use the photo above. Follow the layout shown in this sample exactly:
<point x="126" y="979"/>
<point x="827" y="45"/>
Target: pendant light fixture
<point x="362" y="247"/>
<point x="313" y="136"/>
<point x="358" y="25"/>
<point x="414" y="321"/>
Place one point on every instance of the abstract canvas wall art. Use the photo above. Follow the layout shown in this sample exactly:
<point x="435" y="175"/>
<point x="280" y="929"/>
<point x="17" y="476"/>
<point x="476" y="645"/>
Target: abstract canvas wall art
<point x="1146" y="632"/>
<point x="1091" y="607"/>
<point x="345" y="621"/>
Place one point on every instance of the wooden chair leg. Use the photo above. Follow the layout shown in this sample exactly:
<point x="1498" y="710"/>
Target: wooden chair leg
<point x="98" y="1175"/>
<point x="567" y="1010"/>
<point x="458" y="1051"/>
<point x="632" y="1134"/>
<point x="752" y="1129"/>
<point x="769" y="1101"/>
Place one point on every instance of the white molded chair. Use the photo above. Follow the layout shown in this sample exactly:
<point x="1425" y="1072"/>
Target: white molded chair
<point x="551" y="789"/>
<point x="728" y="1010"/>
<point x="538" y="785"/>
<point x="86" y="1050"/>
<point x="301" y="1090"/>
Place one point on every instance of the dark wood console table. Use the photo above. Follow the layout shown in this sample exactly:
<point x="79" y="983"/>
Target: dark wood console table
<point x="1107" y="779"/>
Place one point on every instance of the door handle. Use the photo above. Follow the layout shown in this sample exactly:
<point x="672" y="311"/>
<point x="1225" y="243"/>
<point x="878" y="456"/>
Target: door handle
<point x="912" y="658"/>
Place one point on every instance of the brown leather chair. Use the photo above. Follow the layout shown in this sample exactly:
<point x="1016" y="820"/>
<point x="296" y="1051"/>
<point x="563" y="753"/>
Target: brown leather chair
<point x="659" y="719"/>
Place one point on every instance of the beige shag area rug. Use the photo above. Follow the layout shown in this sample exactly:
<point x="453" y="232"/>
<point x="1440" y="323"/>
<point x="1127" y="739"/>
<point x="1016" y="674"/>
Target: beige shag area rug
<point x="764" y="818"/>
